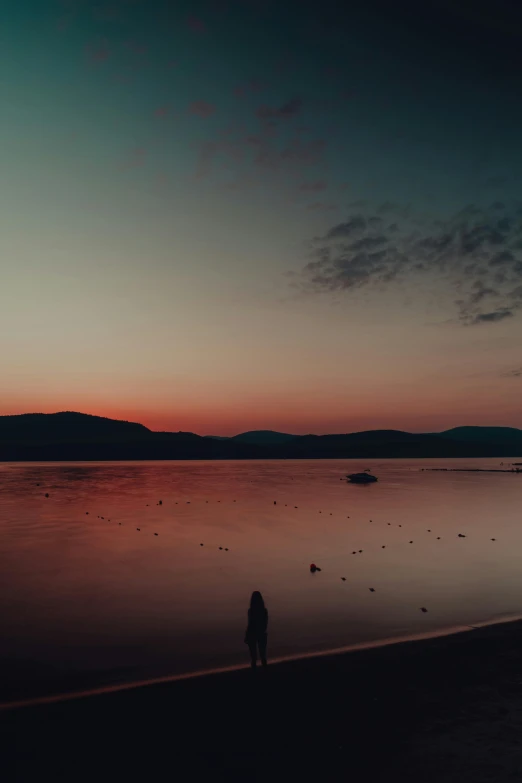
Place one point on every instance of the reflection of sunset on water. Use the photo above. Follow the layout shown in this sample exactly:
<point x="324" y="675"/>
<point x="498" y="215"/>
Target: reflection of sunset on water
<point x="84" y="587"/>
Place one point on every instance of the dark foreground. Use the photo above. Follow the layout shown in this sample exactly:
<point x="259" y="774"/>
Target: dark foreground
<point x="447" y="709"/>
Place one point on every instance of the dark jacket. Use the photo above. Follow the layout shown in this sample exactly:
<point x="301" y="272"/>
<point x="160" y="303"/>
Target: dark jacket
<point x="257" y="625"/>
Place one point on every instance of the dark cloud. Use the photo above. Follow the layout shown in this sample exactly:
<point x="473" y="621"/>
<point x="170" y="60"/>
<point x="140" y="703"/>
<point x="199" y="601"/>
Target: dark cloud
<point x="504" y="257"/>
<point x="473" y="254"/>
<point x="351" y="227"/>
<point x="493" y="317"/>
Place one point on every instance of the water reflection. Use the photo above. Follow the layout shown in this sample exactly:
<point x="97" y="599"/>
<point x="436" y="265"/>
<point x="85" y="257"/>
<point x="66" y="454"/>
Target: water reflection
<point x="85" y="596"/>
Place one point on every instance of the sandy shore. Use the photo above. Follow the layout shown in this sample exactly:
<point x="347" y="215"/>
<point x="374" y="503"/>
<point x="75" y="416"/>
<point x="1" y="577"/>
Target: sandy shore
<point x="445" y="709"/>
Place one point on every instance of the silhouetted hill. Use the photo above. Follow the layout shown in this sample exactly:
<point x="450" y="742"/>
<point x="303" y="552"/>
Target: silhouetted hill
<point x="264" y="437"/>
<point x="66" y="425"/>
<point x="485" y="434"/>
<point x="78" y="436"/>
<point x="376" y="444"/>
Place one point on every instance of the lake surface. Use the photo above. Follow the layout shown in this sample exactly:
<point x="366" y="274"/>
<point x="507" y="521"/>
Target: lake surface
<point x="85" y="601"/>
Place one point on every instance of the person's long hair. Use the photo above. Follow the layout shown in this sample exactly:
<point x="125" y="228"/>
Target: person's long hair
<point x="257" y="605"/>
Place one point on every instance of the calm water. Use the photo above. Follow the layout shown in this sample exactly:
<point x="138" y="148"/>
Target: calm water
<point x="88" y="601"/>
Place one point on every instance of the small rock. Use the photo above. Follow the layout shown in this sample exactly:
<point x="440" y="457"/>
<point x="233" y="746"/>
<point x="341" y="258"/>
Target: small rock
<point x="354" y="553"/>
<point x="411" y="542"/>
<point x="360" y="550"/>
<point x="119" y="523"/>
<point x="46" y="494"/>
<point x="226" y="549"/>
<point x="275" y="502"/>
<point x="493" y="539"/>
<point x="221" y="547"/>
<point x="201" y="544"/>
<point x="343" y="578"/>
<point x="461" y="535"/>
<point x="138" y="528"/>
<point x="383" y="546"/>
<point x="438" y="538"/>
<point x="423" y="609"/>
<point x="429" y="531"/>
<point x="372" y="589"/>
<point x="160" y="502"/>
<point x="155" y="534"/>
<point x="389" y="523"/>
<point x="87" y="513"/>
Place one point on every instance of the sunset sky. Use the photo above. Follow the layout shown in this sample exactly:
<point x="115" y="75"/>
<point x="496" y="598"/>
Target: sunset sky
<point x="257" y="214"/>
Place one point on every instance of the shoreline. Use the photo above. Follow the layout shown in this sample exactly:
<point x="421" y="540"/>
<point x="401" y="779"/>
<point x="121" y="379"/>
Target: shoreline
<point x="439" y="710"/>
<point x="73" y="695"/>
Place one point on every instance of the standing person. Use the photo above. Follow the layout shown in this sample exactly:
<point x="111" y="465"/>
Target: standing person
<point x="256" y="635"/>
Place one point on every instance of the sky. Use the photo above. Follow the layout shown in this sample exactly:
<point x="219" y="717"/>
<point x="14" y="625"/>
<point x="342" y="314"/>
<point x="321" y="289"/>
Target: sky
<point x="249" y="214"/>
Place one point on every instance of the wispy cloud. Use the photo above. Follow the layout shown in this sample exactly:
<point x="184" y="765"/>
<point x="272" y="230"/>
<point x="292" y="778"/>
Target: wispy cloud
<point x="162" y="111"/>
<point x="135" y="158"/>
<point x="476" y="253"/>
<point x="97" y="52"/>
<point x="288" y="109"/>
<point x="313" y="187"/>
<point x="195" y="24"/>
<point x="322" y="206"/>
<point x="202" y="108"/>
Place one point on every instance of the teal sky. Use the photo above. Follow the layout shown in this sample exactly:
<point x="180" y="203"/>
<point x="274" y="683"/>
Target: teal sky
<point x="235" y="216"/>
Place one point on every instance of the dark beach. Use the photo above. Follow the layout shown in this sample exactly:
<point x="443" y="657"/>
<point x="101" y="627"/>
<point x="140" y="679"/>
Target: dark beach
<point x="443" y="709"/>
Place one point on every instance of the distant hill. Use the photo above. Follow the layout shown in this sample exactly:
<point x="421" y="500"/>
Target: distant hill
<point x="77" y="436"/>
<point x="264" y="437"/>
<point x="484" y="434"/>
<point x="65" y="426"/>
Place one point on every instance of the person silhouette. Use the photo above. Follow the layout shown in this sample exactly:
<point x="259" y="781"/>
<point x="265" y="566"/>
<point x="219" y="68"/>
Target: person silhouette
<point x="256" y="633"/>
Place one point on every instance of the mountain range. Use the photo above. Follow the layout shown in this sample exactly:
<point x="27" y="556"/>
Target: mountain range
<point x="78" y="436"/>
